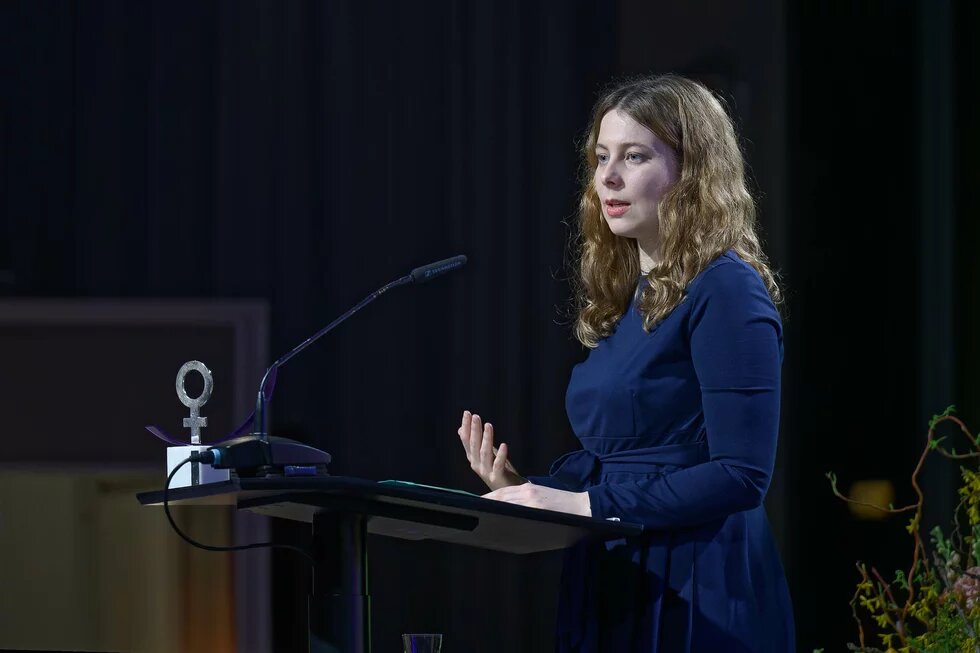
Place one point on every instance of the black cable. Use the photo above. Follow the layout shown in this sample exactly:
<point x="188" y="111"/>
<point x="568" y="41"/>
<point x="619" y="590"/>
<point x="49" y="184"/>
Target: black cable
<point x="208" y="547"/>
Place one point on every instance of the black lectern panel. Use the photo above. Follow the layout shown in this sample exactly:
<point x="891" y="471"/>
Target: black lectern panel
<point x="412" y="513"/>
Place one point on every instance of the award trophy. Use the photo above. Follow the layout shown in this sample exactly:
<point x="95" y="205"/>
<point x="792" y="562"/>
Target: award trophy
<point x="195" y="473"/>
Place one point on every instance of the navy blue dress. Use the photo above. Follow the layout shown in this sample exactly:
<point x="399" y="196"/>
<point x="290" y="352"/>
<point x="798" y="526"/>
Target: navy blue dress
<point x="679" y="429"/>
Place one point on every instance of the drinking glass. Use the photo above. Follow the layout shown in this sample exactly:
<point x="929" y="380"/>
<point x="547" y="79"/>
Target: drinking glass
<point x="422" y="642"/>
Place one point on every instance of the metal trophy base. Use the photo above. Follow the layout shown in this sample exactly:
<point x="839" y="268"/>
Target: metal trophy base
<point x="193" y="473"/>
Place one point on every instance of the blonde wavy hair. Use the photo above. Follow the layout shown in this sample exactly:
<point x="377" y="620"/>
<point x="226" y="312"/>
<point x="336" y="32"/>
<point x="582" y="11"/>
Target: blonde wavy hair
<point x="707" y="212"/>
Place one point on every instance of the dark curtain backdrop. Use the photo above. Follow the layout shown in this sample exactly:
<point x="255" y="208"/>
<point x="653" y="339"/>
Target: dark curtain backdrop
<point x="307" y="153"/>
<point x="856" y="294"/>
<point x="882" y="134"/>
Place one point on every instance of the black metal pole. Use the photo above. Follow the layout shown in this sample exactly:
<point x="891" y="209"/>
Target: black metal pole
<point x="340" y="606"/>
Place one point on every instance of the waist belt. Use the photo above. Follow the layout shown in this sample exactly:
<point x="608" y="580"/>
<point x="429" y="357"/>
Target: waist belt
<point x="580" y="469"/>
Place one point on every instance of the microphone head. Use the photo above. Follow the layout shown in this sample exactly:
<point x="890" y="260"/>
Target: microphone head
<point x="433" y="270"/>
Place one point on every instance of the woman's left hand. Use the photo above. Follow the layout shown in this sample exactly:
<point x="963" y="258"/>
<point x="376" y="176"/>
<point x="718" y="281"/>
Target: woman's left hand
<point x="540" y="496"/>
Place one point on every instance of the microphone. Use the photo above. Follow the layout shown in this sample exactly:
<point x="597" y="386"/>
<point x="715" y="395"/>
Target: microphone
<point x="439" y="268"/>
<point x="258" y="453"/>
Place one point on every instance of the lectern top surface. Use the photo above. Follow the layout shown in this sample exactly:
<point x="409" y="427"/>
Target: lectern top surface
<point x="403" y="511"/>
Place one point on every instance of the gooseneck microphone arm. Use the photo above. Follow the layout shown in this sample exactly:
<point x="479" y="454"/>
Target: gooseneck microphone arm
<point x="418" y="275"/>
<point x="261" y="400"/>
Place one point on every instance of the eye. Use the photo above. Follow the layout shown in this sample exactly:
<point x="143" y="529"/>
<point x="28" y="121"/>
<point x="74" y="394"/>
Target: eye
<point x="635" y="157"/>
<point x="601" y="157"/>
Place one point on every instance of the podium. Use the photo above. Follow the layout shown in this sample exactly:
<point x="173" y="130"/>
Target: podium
<point x="343" y="510"/>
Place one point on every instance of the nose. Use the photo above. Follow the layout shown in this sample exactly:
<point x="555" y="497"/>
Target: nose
<point x="609" y="176"/>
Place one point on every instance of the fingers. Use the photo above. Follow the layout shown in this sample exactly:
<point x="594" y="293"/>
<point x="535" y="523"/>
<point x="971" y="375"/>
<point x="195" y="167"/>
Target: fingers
<point x="486" y="448"/>
<point x="464" y="432"/>
<point x="501" y="494"/>
<point x="485" y="459"/>
<point x="525" y="494"/>
<point x="476" y="439"/>
<point x="500" y="460"/>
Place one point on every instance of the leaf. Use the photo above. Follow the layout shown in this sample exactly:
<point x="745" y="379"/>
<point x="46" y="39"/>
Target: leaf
<point x="946" y="413"/>
<point x="900" y="579"/>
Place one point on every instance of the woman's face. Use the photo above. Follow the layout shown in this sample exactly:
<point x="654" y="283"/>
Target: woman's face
<point x="634" y="171"/>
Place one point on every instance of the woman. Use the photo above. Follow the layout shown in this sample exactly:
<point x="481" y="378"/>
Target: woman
<point x="677" y="404"/>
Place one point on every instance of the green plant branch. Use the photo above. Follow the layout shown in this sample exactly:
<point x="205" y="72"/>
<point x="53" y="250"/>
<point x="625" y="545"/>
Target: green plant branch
<point x="854" y="601"/>
<point x="876" y="595"/>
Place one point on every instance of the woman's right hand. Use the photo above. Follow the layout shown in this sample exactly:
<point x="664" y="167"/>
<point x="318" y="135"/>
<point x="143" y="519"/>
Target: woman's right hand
<point x="489" y="463"/>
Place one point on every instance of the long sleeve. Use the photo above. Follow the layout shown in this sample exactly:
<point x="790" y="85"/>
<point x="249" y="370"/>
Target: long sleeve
<point x="735" y="340"/>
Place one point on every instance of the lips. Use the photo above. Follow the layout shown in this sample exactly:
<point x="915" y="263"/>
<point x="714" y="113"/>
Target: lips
<point x="616" y="208"/>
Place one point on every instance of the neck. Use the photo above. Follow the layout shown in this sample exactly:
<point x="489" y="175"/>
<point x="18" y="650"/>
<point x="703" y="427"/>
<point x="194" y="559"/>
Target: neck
<point x="649" y="255"/>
